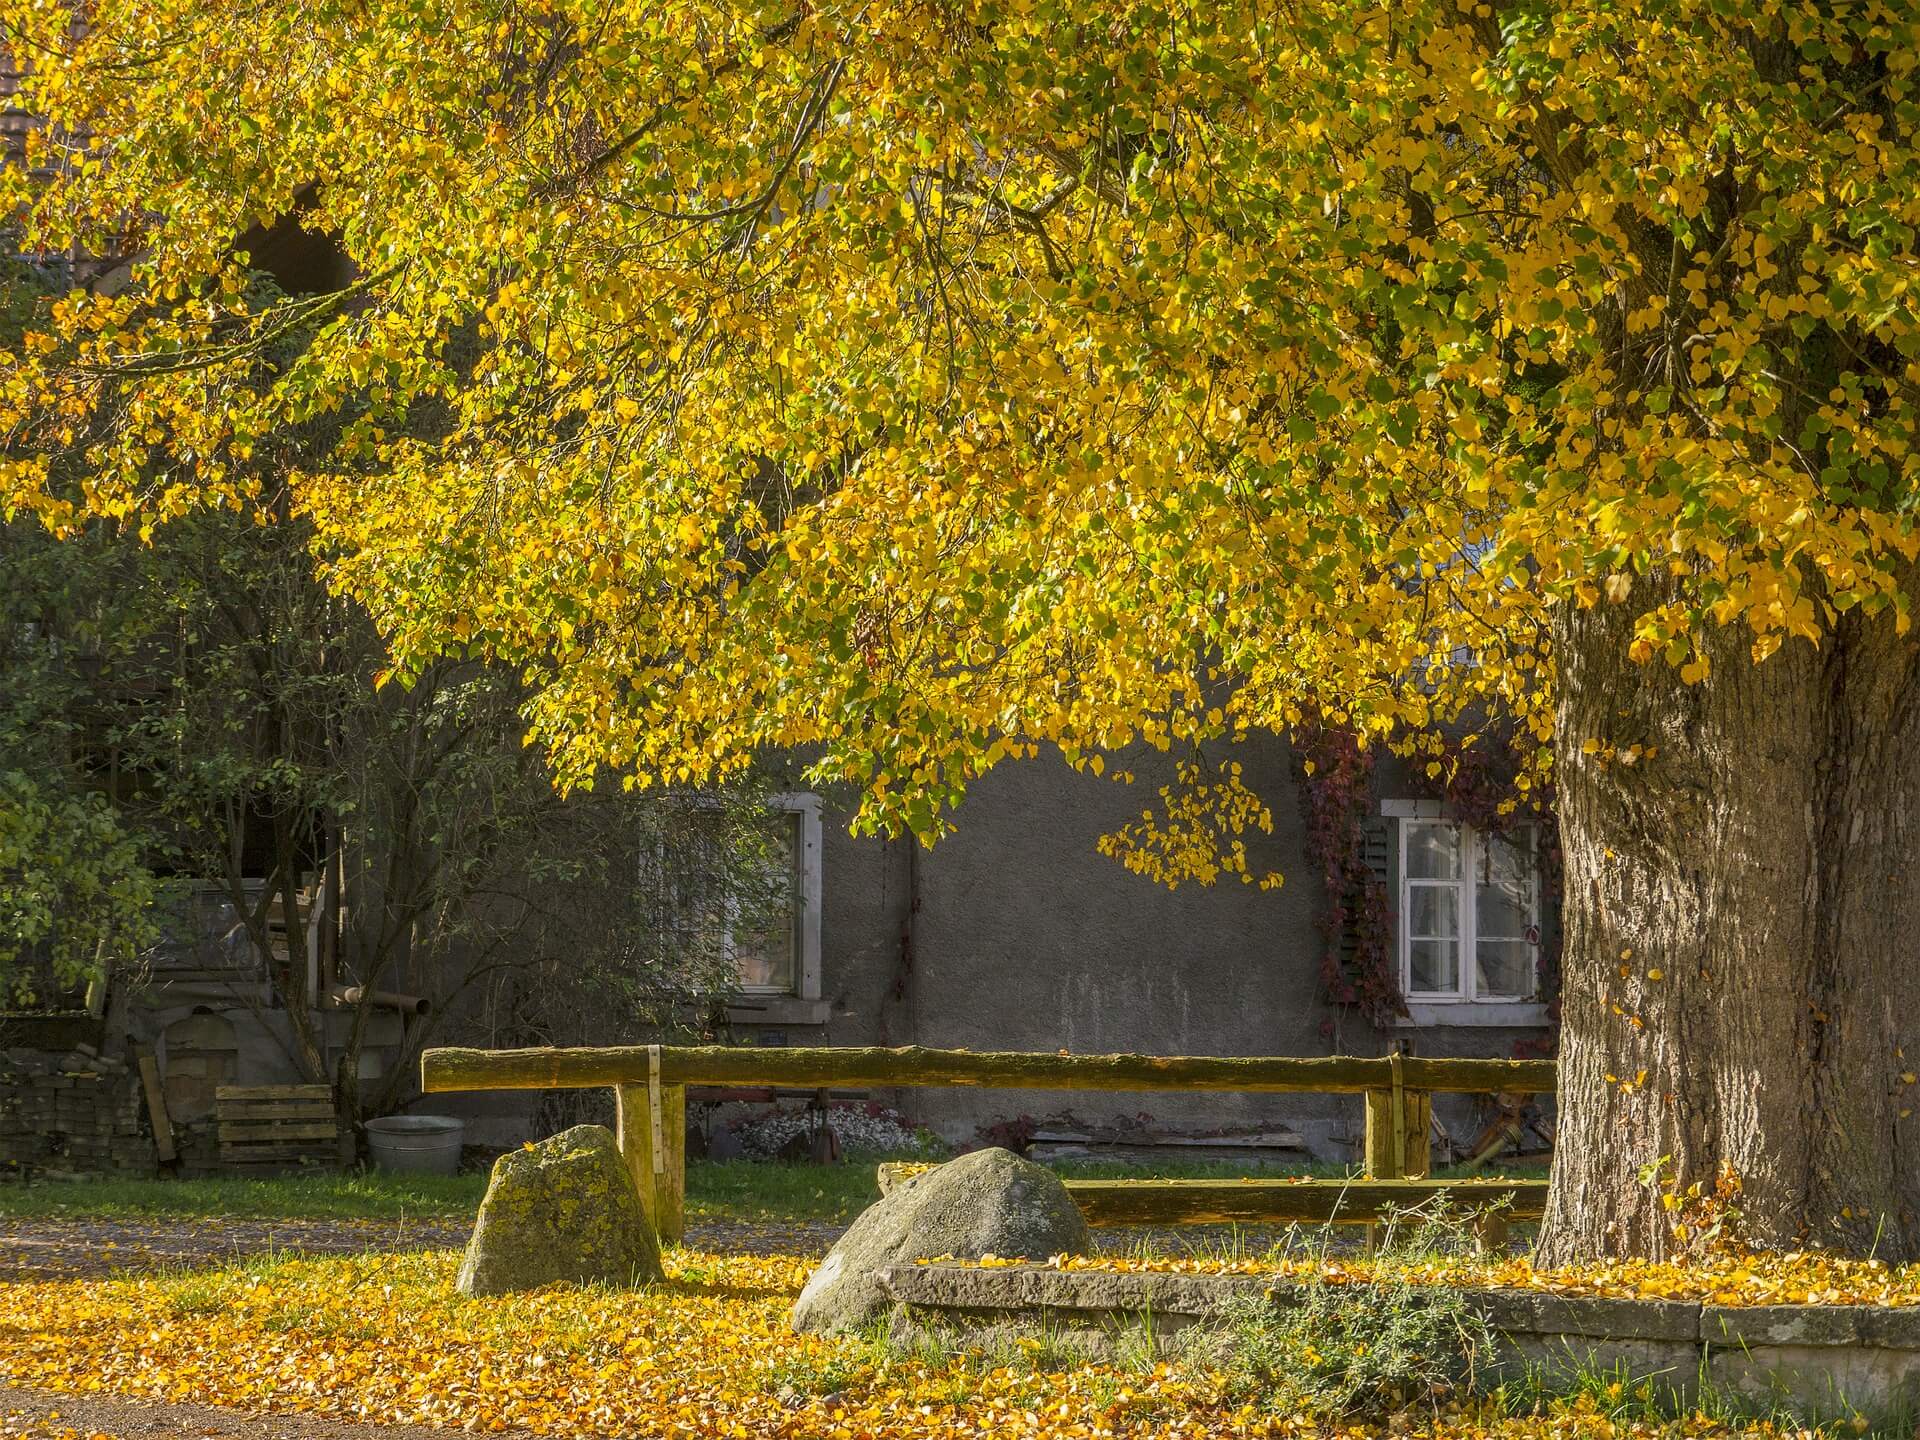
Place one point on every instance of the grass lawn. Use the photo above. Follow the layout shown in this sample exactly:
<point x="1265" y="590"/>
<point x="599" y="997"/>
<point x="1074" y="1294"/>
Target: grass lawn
<point x="759" y="1193"/>
<point x="754" y="1192"/>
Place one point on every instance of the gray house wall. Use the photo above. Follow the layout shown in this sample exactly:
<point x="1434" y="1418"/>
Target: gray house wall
<point x="1025" y="937"/>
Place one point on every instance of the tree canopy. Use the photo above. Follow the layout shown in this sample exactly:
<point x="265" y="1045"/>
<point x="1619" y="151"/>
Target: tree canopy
<point x="924" y="383"/>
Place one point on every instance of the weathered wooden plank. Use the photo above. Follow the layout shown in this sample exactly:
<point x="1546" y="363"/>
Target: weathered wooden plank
<point x="572" y="1068"/>
<point x="248" y="1110"/>
<point x="163" y="1145"/>
<point x="1279" y="1202"/>
<point x="252" y="1152"/>
<point x="274" y="1092"/>
<point x="287" y="1130"/>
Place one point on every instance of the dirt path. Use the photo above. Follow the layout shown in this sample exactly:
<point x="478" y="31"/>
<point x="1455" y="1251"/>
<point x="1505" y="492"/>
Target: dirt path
<point x="61" y="1249"/>
<point x="74" y="1249"/>
<point x="39" y="1415"/>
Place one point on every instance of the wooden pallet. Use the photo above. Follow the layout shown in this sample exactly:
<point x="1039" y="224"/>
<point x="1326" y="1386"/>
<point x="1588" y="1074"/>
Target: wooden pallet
<point x="277" y="1127"/>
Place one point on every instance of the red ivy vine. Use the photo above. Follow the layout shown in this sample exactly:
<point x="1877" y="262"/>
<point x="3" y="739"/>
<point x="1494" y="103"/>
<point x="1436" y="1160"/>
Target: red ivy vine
<point x="1357" y="966"/>
<point x="1359" y="969"/>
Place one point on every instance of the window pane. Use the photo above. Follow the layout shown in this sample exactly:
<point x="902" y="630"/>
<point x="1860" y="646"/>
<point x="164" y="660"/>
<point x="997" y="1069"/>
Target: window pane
<point x="1435" y="967"/>
<point x="1433" y="852"/>
<point x="1433" y="911"/>
<point x="1503" y="895"/>
<point x="1506" y="969"/>
<point x="764" y="933"/>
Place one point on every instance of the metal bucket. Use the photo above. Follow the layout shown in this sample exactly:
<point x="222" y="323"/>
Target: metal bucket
<point x="416" y="1144"/>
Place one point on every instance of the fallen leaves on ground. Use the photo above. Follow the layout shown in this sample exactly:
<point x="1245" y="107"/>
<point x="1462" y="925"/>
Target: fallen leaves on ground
<point x="387" y="1339"/>
<point x="1795" y="1278"/>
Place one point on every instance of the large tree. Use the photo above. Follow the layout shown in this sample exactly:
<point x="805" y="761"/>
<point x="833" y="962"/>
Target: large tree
<point x="927" y="383"/>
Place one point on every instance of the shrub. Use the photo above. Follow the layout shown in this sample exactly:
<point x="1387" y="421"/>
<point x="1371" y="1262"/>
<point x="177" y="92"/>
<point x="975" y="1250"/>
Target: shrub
<point x="1330" y="1346"/>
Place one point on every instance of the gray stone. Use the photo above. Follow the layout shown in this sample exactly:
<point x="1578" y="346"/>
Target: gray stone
<point x="1544" y="1313"/>
<point x="1746" y="1326"/>
<point x="1035" y="1293"/>
<point x="564" y="1210"/>
<point x="988" y="1203"/>
<point x="1820" y="1379"/>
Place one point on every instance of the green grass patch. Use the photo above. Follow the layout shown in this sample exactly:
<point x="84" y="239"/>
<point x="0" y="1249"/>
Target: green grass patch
<point x="751" y="1192"/>
<point x="369" y="1196"/>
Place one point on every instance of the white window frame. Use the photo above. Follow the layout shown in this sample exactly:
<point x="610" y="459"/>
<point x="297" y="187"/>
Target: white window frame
<point x="1463" y="1005"/>
<point x="806" y="901"/>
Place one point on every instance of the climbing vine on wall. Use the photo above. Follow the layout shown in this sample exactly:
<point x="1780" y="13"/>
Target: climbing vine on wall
<point x="1359" y="968"/>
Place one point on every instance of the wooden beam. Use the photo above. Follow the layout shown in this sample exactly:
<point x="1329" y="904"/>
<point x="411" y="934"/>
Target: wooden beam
<point x="1277" y="1202"/>
<point x="1410" y="1156"/>
<point x="576" y="1068"/>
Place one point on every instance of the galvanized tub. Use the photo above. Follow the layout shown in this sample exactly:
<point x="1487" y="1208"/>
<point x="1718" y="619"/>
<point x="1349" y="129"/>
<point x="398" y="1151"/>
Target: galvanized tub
<point x="416" y="1144"/>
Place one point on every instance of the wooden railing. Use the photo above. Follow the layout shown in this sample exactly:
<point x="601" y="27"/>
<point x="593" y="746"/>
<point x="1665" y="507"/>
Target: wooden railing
<point x="650" y="1092"/>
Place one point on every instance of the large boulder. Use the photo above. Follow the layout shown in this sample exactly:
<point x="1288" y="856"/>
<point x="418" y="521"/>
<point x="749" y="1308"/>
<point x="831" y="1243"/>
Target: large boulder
<point x="988" y="1203"/>
<point x="566" y="1210"/>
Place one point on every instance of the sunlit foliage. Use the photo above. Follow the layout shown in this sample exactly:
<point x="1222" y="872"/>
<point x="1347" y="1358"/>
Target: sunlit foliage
<point x="928" y="383"/>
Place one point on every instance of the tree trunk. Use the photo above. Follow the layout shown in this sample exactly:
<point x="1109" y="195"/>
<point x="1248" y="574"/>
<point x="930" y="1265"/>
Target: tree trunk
<point x="1741" y="988"/>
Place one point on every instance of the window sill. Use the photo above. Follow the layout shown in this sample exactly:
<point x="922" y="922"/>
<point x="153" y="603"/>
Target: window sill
<point x="1511" y="1014"/>
<point x="776" y="1010"/>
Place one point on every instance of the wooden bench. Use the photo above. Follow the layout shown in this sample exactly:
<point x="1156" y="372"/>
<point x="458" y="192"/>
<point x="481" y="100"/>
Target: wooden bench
<point x="1297" y="1201"/>
<point x="650" y="1085"/>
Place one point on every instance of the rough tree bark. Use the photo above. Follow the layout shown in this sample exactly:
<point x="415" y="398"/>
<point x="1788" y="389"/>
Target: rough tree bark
<point x="1742" y="939"/>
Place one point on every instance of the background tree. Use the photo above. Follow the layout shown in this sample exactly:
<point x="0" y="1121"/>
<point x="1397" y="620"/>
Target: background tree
<point x="206" y="711"/>
<point x="928" y="385"/>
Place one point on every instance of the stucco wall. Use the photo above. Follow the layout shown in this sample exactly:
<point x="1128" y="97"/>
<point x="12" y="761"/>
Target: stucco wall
<point x="1027" y="938"/>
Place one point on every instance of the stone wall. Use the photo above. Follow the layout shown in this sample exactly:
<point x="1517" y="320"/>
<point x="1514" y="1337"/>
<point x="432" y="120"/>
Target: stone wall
<point x="76" y="1113"/>
<point x="1820" y="1359"/>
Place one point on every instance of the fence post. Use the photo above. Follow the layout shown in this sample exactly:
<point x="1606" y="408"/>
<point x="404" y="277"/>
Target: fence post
<point x="670" y="1184"/>
<point x="1417" y="1109"/>
<point x="634" y="1127"/>
<point x="1399" y="1143"/>
<point x="660" y="1177"/>
<point x="1382" y="1156"/>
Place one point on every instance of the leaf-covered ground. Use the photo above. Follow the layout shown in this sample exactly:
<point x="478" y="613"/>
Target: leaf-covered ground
<point x="1719" y="1279"/>
<point x="385" y="1339"/>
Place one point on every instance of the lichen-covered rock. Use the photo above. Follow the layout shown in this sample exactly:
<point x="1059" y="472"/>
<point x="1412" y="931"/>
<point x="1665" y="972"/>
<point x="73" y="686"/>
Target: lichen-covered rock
<point x="988" y="1203"/>
<point x="563" y="1210"/>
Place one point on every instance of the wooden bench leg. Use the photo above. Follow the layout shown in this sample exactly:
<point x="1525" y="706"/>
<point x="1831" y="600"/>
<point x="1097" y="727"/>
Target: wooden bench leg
<point x="1490" y="1232"/>
<point x="661" y="1181"/>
